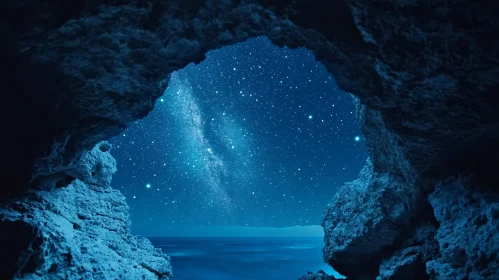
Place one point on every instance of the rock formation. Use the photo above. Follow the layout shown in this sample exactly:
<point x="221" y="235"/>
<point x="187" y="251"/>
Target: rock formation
<point x="81" y="230"/>
<point x="425" y="72"/>
<point x="319" y="275"/>
<point x="468" y="232"/>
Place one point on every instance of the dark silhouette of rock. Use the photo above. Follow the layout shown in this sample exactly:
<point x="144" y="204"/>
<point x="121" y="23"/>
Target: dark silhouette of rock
<point x="419" y="246"/>
<point x="76" y="73"/>
<point x="319" y="275"/>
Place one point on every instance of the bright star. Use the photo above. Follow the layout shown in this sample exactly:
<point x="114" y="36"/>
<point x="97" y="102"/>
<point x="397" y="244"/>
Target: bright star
<point x="161" y="100"/>
<point x="357" y="138"/>
<point x="309" y="117"/>
<point x="148" y="186"/>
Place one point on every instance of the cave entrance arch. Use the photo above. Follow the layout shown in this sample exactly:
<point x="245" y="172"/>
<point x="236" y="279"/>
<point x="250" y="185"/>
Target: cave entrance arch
<point x="255" y="135"/>
<point x="95" y="69"/>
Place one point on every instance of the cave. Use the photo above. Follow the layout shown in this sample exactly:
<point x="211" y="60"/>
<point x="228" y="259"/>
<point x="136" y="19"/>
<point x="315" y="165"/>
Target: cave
<point x="425" y="74"/>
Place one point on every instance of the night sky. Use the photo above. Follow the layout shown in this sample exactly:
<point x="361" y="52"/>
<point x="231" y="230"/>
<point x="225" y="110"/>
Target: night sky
<point x="255" y="135"/>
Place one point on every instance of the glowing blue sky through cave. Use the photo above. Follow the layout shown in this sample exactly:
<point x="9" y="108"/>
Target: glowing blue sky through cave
<point x="255" y="135"/>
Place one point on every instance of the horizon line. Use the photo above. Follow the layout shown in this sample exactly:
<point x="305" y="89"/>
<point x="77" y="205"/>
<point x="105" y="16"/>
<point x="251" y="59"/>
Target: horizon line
<point x="234" y="231"/>
<point x="193" y="236"/>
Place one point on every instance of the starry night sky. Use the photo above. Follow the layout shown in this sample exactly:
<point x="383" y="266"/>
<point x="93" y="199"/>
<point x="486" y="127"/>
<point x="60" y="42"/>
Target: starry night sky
<point x="255" y="135"/>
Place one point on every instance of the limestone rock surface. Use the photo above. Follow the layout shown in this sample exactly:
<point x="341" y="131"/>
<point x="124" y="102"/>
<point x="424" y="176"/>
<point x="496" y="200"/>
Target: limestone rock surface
<point x="468" y="236"/>
<point x="79" y="231"/>
<point x="95" y="167"/>
<point x="365" y="217"/>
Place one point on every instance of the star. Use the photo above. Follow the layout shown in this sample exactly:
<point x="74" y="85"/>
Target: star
<point x="357" y="138"/>
<point x="309" y="117"/>
<point x="148" y="186"/>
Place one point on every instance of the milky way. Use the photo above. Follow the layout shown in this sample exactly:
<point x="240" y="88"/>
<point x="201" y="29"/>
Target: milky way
<point x="254" y="135"/>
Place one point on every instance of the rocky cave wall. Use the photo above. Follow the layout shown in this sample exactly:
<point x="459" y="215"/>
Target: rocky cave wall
<point x="79" y="231"/>
<point x="425" y="73"/>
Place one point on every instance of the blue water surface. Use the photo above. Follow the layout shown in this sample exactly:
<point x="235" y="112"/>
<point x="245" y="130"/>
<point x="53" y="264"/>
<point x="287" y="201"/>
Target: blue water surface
<point x="243" y="258"/>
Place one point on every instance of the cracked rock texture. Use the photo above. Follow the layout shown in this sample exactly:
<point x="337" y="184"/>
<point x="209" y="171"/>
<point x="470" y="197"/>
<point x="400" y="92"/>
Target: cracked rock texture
<point x="80" y="231"/>
<point x="366" y="217"/>
<point x="425" y="73"/>
<point x="468" y="236"/>
<point x="418" y="246"/>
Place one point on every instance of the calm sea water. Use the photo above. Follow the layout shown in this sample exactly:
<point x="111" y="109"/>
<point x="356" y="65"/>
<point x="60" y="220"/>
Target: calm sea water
<point x="242" y="258"/>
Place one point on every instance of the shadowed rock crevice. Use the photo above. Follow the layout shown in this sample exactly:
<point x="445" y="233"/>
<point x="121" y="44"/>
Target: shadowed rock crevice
<point x="20" y="250"/>
<point x="425" y="75"/>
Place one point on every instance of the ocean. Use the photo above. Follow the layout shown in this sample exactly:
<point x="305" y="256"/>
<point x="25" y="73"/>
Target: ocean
<point x="243" y="258"/>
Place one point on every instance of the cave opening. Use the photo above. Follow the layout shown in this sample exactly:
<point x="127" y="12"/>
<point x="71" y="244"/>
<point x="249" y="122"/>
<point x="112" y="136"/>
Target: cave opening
<point x="252" y="142"/>
<point x="75" y="75"/>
